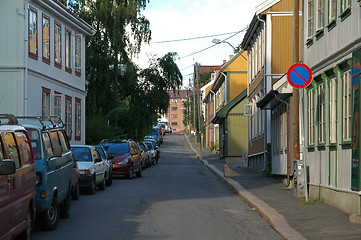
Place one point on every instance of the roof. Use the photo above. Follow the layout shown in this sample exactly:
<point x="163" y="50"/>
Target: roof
<point x="178" y="94"/>
<point x="223" y="112"/>
<point x="67" y="15"/>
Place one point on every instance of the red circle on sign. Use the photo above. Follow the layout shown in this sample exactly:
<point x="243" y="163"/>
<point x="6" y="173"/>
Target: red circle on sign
<point x="299" y="75"/>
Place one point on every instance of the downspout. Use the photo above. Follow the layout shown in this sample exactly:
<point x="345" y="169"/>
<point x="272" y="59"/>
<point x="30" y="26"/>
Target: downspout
<point x="26" y="16"/>
<point x="264" y="84"/>
<point x="225" y="87"/>
<point x="289" y="145"/>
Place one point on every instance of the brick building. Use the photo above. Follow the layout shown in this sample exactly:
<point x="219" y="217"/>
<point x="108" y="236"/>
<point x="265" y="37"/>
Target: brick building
<point x="175" y="110"/>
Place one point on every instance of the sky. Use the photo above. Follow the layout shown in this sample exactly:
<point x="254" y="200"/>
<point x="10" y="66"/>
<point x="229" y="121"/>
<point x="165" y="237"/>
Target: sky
<point x="183" y="19"/>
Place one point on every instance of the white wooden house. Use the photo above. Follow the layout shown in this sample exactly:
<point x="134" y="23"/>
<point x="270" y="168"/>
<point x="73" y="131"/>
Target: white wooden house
<point x="42" y="62"/>
<point x="332" y="48"/>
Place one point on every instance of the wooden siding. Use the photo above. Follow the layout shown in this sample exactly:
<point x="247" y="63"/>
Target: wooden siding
<point x="238" y="83"/>
<point x="237" y="130"/>
<point x="282" y="6"/>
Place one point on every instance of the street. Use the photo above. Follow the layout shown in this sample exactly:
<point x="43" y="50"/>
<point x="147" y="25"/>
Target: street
<point x="179" y="198"/>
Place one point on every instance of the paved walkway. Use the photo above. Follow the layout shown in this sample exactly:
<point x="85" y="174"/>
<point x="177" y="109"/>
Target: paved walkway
<point x="279" y="206"/>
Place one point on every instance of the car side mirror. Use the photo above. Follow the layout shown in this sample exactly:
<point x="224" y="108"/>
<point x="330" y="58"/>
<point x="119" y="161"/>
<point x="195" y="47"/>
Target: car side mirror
<point x="7" y="167"/>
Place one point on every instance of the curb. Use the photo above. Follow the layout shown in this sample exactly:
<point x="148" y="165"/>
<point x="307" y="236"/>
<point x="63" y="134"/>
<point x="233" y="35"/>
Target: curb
<point x="277" y="221"/>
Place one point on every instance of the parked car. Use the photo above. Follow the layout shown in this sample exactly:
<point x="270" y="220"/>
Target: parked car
<point x="155" y="146"/>
<point x="54" y="169"/>
<point x="109" y="165"/>
<point x="153" y="150"/>
<point x="17" y="183"/>
<point x="144" y="156"/>
<point x="148" y="153"/>
<point x="75" y="189"/>
<point x="126" y="157"/>
<point x="92" y="167"/>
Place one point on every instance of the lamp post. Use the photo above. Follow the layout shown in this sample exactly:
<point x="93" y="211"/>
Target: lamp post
<point x="218" y="41"/>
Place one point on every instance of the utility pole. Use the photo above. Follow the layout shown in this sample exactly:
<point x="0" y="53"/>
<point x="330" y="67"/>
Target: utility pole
<point x="199" y="110"/>
<point x="194" y="109"/>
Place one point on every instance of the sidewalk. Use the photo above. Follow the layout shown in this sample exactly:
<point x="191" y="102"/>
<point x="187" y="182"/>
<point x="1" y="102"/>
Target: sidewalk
<point x="279" y="206"/>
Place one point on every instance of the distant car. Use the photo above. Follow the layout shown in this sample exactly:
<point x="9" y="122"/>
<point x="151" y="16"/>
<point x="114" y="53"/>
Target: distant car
<point x="17" y="183"/>
<point x="154" y="150"/>
<point x="109" y="166"/>
<point x="91" y="166"/>
<point x="144" y="155"/>
<point x="149" y="154"/>
<point x="156" y="146"/>
<point x="126" y="155"/>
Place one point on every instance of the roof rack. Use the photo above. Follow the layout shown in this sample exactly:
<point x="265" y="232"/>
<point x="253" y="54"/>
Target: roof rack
<point x="55" y="121"/>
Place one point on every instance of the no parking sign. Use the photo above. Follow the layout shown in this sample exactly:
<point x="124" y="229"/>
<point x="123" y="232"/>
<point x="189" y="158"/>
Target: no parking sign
<point x="299" y="75"/>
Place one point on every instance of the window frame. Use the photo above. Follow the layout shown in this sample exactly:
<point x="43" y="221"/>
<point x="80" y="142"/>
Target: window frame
<point x="68" y="50"/>
<point x="68" y="116"/>
<point x="310" y="19"/>
<point x="77" y="121"/>
<point x="332" y="114"/>
<point x="346" y="103"/>
<point x="321" y="110"/>
<point x="77" y="54"/>
<point x="57" y="45"/>
<point x="33" y="55"/>
<point x="310" y="92"/>
<point x="46" y="59"/>
<point x="45" y="102"/>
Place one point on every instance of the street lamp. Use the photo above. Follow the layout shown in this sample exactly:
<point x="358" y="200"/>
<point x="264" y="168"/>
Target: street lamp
<point x="218" y="41"/>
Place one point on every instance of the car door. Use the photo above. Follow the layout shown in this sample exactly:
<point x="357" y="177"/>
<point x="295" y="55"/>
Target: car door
<point x="135" y="154"/>
<point x="99" y="165"/>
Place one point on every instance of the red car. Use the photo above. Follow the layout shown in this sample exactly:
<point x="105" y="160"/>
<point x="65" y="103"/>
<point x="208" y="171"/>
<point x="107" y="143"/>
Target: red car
<point x="17" y="183"/>
<point x="126" y="157"/>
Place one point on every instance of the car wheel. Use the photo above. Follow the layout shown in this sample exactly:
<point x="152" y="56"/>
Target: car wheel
<point x="109" y="181"/>
<point x="65" y="207"/>
<point x="50" y="218"/>
<point x="75" y="192"/>
<point x="131" y="173"/>
<point x="25" y="235"/>
<point x="102" y="185"/>
<point x="140" y="172"/>
<point x="92" y="187"/>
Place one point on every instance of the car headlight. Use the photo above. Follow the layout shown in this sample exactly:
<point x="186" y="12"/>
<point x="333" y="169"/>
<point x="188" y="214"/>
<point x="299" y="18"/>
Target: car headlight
<point x="125" y="161"/>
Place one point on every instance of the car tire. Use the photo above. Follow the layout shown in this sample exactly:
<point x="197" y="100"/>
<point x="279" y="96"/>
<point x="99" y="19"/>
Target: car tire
<point x="140" y="171"/>
<point x="65" y="207"/>
<point x="109" y="181"/>
<point x="92" y="187"/>
<point x="75" y="192"/>
<point x="25" y="235"/>
<point x="131" y="173"/>
<point x="50" y="218"/>
<point x="102" y="185"/>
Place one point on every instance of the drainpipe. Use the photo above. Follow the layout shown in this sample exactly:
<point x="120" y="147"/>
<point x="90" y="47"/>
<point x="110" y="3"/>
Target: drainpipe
<point x="289" y="145"/>
<point x="265" y="83"/>
<point x="225" y="88"/>
<point x="25" y="108"/>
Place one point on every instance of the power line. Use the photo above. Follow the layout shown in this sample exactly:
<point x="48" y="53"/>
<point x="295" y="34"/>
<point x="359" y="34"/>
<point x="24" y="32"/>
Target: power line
<point x="193" y="38"/>
<point x="214" y="44"/>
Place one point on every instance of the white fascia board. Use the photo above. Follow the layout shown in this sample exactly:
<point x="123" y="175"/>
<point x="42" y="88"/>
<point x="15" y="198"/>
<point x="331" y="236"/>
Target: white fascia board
<point x="65" y="14"/>
<point x="265" y="5"/>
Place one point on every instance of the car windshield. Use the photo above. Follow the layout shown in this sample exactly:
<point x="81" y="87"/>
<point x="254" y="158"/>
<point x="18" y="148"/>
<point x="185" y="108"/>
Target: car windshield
<point x="116" y="148"/>
<point x="143" y="146"/>
<point x="149" y="144"/>
<point x="82" y="154"/>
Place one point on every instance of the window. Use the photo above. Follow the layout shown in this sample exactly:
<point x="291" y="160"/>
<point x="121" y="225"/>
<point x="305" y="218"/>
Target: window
<point x="174" y="123"/>
<point x="345" y="4"/>
<point x="33" y="33"/>
<point x="55" y="143"/>
<point x="174" y="100"/>
<point x="321" y="113"/>
<point x="13" y="150"/>
<point x="77" y="55"/>
<point x="68" y="116"/>
<point x="63" y="141"/>
<point x="57" y="45"/>
<point x="174" y="115"/>
<point x="46" y="39"/>
<point x="310" y="19"/>
<point x="24" y="148"/>
<point x="47" y="145"/>
<point x="68" y="50"/>
<point x="346" y="106"/>
<point x="320" y="14"/>
<point x="57" y="104"/>
<point x="174" y="108"/>
<point x="77" y="119"/>
<point x="332" y="8"/>
<point x="310" y="117"/>
<point x="46" y="102"/>
<point x="333" y="110"/>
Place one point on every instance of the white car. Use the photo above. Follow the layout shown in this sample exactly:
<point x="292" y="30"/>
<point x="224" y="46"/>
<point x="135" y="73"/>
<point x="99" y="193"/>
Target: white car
<point x="92" y="167"/>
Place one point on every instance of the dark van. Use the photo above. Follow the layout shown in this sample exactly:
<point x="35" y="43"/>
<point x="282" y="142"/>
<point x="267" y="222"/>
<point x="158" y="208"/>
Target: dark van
<point x="17" y="182"/>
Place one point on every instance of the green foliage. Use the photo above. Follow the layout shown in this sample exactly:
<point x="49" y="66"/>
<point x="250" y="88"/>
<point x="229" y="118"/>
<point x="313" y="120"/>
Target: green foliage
<point x="98" y="129"/>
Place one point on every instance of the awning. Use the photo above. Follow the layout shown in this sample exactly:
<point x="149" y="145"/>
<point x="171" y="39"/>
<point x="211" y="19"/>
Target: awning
<point x="282" y="89"/>
<point x="223" y="112"/>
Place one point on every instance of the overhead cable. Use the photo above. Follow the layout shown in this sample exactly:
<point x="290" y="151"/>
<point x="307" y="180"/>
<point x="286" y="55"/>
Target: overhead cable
<point x="193" y="38"/>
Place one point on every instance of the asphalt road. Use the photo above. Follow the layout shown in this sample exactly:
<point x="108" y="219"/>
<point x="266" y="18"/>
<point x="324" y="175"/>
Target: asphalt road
<point x="179" y="198"/>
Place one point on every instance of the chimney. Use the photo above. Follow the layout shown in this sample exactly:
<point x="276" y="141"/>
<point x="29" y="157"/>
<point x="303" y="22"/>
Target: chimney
<point x="231" y="56"/>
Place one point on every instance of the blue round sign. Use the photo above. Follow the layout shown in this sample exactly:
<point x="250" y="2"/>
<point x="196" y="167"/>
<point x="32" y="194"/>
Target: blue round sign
<point x="299" y="75"/>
